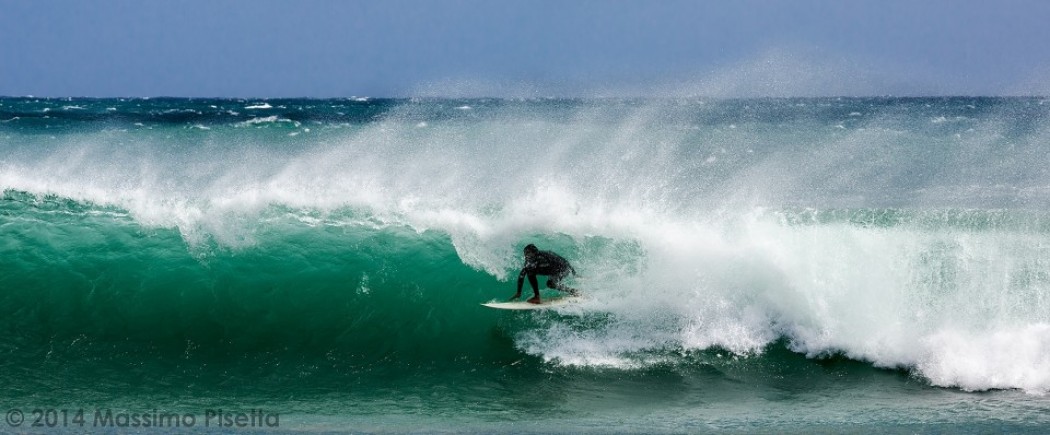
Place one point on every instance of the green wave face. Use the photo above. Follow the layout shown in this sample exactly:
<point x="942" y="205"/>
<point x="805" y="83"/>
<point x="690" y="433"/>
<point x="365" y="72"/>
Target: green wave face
<point x="75" y="271"/>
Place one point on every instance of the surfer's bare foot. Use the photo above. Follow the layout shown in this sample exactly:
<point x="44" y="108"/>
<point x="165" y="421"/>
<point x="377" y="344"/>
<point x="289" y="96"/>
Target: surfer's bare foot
<point x="515" y="297"/>
<point x="534" y="300"/>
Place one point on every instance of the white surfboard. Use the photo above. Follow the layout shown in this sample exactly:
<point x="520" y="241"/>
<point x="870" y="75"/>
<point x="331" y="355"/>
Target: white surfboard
<point x="544" y="303"/>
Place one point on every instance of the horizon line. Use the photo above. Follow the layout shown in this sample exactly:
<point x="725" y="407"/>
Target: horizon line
<point x="364" y="98"/>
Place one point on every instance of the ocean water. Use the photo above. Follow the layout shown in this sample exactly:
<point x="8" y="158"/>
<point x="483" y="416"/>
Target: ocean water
<point x="751" y="266"/>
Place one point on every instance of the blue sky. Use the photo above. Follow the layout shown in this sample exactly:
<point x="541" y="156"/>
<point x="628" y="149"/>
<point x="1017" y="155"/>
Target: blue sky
<point x="533" y="48"/>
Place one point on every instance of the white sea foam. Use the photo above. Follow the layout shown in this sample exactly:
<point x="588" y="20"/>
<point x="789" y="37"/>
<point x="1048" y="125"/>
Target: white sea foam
<point x="265" y="120"/>
<point x="259" y="106"/>
<point x="940" y="303"/>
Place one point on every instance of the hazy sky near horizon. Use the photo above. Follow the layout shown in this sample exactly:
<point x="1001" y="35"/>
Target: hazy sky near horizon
<point x="321" y="48"/>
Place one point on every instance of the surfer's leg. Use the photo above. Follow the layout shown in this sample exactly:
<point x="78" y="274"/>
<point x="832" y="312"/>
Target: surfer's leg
<point x="535" y="288"/>
<point x="571" y="291"/>
<point x="555" y="283"/>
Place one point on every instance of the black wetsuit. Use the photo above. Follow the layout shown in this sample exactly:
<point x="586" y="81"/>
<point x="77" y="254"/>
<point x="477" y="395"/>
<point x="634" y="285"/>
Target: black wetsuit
<point x="549" y="264"/>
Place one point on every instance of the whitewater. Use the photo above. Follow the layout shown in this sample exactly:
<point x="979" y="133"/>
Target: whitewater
<point x="779" y="254"/>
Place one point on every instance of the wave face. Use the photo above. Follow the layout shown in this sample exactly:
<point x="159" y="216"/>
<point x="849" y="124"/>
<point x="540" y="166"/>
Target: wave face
<point x="358" y="236"/>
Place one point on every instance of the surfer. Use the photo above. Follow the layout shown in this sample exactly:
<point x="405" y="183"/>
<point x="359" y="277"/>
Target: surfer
<point x="547" y="263"/>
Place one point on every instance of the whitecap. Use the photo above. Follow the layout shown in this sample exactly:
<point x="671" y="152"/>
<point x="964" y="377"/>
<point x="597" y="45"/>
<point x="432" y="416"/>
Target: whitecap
<point x="266" y="120"/>
<point x="257" y="121"/>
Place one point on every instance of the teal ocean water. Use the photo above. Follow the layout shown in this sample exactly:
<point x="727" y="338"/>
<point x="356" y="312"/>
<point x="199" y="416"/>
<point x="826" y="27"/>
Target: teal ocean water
<point x="758" y="265"/>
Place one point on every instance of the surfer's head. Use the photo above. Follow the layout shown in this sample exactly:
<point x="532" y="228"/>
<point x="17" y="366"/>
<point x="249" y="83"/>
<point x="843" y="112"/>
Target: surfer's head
<point x="531" y="249"/>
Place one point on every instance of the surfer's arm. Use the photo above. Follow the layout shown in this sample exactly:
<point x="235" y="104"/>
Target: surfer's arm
<point x="521" y="280"/>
